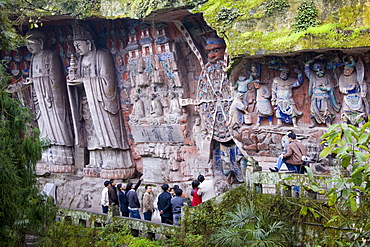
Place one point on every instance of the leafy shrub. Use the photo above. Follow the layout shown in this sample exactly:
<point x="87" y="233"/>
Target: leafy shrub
<point x="307" y="14"/>
<point x="248" y="226"/>
<point x="275" y="5"/>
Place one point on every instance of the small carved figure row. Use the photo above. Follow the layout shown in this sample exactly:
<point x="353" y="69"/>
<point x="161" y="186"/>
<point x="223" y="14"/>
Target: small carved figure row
<point x="153" y="109"/>
<point x="321" y="90"/>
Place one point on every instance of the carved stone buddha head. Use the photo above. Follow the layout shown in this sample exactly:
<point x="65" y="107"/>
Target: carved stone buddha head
<point x="36" y="40"/>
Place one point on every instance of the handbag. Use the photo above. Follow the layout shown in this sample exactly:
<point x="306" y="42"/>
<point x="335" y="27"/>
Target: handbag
<point x="306" y="160"/>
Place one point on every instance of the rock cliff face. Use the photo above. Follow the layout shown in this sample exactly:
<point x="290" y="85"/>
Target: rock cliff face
<point x="268" y="27"/>
<point x="208" y="87"/>
<point x="279" y="26"/>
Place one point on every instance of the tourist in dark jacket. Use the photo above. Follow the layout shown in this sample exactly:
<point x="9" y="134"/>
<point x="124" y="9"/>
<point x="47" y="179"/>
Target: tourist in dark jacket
<point x="164" y="205"/>
<point x="177" y="202"/>
<point x="112" y="192"/>
<point x="123" y="202"/>
<point x="133" y="200"/>
<point x="113" y="198"/>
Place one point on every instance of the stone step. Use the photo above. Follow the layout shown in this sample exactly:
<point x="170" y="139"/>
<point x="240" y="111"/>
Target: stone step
<point x="267" y="164"/>
<point x="265" y="159"/>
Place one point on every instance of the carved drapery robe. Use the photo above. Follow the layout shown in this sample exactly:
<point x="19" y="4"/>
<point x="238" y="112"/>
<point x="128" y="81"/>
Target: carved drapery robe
<point x="52" y="107"/>
<point x="263" y="105"/>
<point x="353" y="107"/>
<point x="323" y="103"/>
<point x="175" y="107"/>
<point x="100" y="85"/>
<point x="156" y="108"/>
<point x="236" y="114"/>
<point x="283" y="100"/>
<point x="97" y="105"/>
<point x="214" y="95"/>
<point x="138" y="110"/>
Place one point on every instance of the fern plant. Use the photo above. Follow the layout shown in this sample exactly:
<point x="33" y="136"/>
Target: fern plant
<point x="247" y="226"/>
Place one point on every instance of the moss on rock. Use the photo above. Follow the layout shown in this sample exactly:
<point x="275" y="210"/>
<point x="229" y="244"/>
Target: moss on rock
<point x="342" y="25"/>
<point x="247" y="28"/>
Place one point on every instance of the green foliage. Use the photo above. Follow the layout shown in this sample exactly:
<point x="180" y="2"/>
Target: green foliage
<point x="275" y="5"/>
<point x="60" y="235"/>
<point x="307" y="14"/>
<point x="226" y="16"/>
<point x="348" y="196"/>
<point x="211" y="214"/>
<point x="139" y="9"/>
<point x="9" y="37"/>
<point x="209" y="217"/>
<point x="22" y="209"/>
<point x="142" y="8"/>
<point x="185" y="240"/>
<point x="117" y="236"/>
<point x="248" y="226"/>
<point x="67" y="235"/>
<point x="16" y="13"/>
<point x="349" y="144"/>
<point x="194" y="3"/>
<point x="79" y="8"/>
<point x="252" y="33"/>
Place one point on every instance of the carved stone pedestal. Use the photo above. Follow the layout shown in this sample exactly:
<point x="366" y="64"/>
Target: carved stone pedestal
<point x="91" y="172"/>
<point x="118" y="173"/>
<point x="62" y="168"/>
<point x="110" y="159"/>
<point x="61" y="155"/>
<point x="53" y="168"/>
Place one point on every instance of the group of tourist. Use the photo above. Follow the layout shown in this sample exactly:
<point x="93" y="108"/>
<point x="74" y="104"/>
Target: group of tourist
<point x="169" y="202"/>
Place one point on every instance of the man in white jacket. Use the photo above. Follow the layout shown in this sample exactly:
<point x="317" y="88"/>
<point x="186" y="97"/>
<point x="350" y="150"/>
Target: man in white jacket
<point x="105" y="197"/>
<point x="206" y="188"/>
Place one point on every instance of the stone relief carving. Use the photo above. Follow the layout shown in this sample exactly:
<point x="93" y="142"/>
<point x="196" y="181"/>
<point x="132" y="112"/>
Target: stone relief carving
<point x="175" y="109"/>
<point x="255" y="139"/>
<point x="46" y="77"/>
<point x="145" y="63"/>
<point x="282" y="99"/>
<point x="95" y="92"/>
<point x="155" y="75"/>
<point x="237" y="113"/>
<point x="321" y="91"/>
<point x="138" y="110"/>
<point x="263" y="104"/>
<point x="243" y="82"/>
<point x="352" y="85"/>
<point x="153" y="59"/>
<point x="215" y="93"/>
<point x="156" y="107"/>
<point x="197" y="133"/>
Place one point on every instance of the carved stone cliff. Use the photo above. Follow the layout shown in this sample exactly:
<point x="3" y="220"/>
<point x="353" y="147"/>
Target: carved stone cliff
<point x="195" y="98"/>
